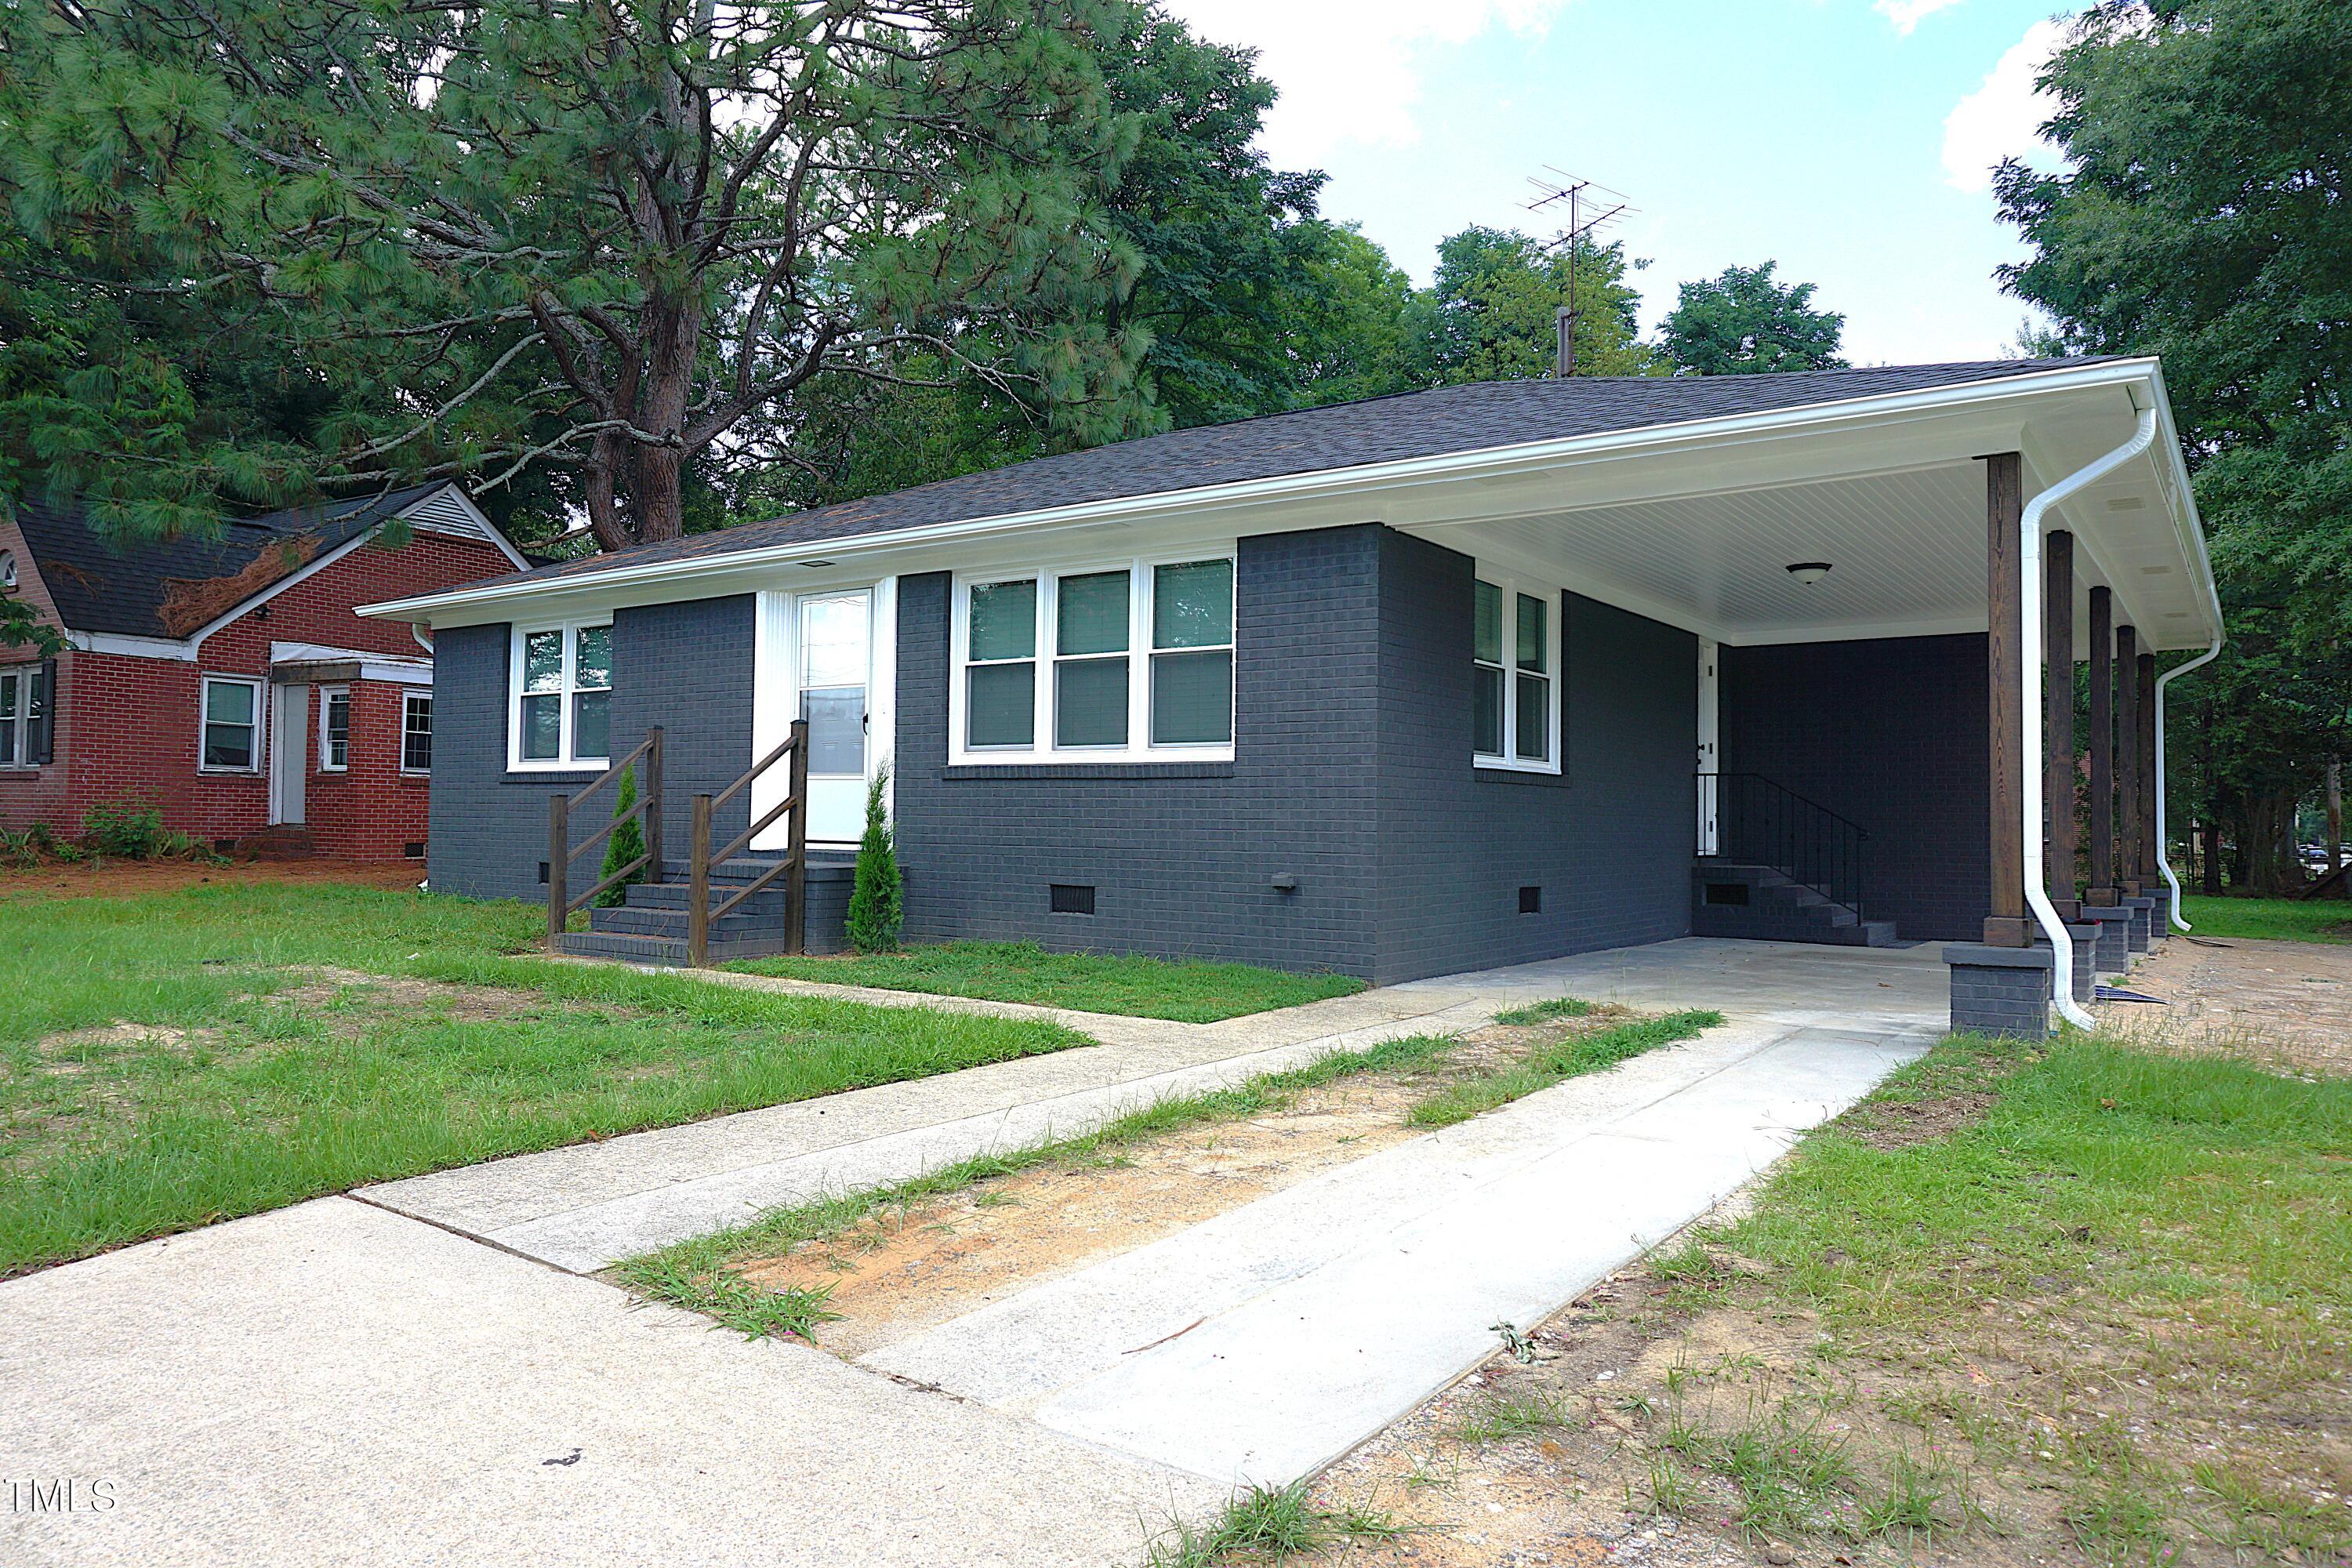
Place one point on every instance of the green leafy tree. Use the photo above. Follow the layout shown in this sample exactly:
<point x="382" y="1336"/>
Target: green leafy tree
<point x="2202" y="216"/>
<point x="1741" y="323"/>
<point x="1491" y="311"/>
<point x="878" y="911"/>
<point x="606" y="245"/>
<point x="1354" y="319"/>
<point x="623" y="844"/>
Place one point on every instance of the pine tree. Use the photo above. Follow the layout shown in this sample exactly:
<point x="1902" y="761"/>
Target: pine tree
<point x="876" y="907"/>
<point x="626" y="843"/>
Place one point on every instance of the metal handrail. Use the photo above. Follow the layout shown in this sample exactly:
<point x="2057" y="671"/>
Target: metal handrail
<point x="561" y="851"/>
<point x="1755" y="821"/>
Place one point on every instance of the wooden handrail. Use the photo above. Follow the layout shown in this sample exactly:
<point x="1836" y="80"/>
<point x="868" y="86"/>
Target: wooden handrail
<point x="791" y="867"/>
<point x="562" y="852"/>
<point x="791" y="743"/>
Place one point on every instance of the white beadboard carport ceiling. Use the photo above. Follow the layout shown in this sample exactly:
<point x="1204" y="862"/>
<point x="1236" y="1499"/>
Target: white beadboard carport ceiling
<point x="1906" y="550"/>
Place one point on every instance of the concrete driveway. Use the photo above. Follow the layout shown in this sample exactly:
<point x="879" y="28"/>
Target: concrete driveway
<point x="340" y="1382"/>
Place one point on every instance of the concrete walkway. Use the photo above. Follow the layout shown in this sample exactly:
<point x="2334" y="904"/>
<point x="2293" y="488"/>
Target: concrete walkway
<point x="1260" y="1345"/>
<point x="341" y="1382"/>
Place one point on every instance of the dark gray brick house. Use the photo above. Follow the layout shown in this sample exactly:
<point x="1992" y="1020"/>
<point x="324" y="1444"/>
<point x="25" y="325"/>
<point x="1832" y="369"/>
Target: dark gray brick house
<point x="1445" y="681"/>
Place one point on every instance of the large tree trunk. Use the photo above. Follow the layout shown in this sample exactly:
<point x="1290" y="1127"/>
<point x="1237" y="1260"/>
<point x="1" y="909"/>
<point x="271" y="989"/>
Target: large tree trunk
<point x="2213" y="860"/>
<point x="2267" y="851"/>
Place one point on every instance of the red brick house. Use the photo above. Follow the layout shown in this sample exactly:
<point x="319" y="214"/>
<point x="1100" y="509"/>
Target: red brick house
<point x="226" y="679"/>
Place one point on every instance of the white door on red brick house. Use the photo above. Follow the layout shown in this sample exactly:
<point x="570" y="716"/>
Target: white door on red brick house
<point x="289" y="752"/>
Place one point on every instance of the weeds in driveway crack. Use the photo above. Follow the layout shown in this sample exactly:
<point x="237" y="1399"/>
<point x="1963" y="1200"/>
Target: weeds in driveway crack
<point x="1270" y="1524"/>
<point x="1548" y="1065"/>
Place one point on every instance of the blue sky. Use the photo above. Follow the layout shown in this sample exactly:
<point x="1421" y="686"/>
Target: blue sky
<point x="1847" y="140"/>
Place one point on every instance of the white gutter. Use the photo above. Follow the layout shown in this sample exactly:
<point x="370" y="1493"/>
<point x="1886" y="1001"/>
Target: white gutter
<point x="2031" y="703"/>
<point x="2163" y="861"/>
<point x="1486" y="461"/>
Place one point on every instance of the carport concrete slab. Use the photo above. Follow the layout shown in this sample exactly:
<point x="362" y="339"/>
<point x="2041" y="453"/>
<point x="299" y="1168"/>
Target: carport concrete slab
<point x="332" y="1383"/>
<point x="1850" y="987"/>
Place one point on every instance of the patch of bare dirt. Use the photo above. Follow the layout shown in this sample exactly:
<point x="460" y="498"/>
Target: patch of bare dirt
<point x="1898" y="1124"/>
<point x="902" y="1271"/>
<point x="124" y="879"/>
<point x="2033" y="1433"/>
<point x="2283" y="1005"/>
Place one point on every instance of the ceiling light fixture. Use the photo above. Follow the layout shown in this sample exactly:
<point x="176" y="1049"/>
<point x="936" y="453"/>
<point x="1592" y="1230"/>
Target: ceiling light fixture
<point x="1809" y="572"/>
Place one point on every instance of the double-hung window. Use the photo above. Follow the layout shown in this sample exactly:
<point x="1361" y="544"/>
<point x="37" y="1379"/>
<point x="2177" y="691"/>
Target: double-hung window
<point x="416" y="732"/>
<point x="334" y="729"/>
<point x="1515" y="675"/>
<point x="24" y="716"/>
<point x="232" y="725"/>
<point x="1001" y="669"/>
<point x="564" y="696"/>
<point x="1093" y="690"/>
<point x="1125" y="661"/>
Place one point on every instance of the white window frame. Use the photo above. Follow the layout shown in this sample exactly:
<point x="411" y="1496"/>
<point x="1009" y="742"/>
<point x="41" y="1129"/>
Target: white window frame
<point x="327" y="763"/>
<point x="1513" y="585"/>
<point x="18" y="721"/>
<point x="1049" y="576"/>
<point x="260" y="762"/>
<point x="564" y="761"/>
<point x="409" y="698"/>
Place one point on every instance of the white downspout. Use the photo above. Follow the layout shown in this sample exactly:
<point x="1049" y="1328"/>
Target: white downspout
<point x="2163" y="861"/>
<point x="2029" y="698"/>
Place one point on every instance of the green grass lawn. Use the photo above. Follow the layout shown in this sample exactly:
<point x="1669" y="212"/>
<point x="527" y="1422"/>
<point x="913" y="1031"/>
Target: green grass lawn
<point x="1191" y="990"/>
<point x="2101" y="1291"/>
<point x="2274" y="919"/>
<point x="174" y="1058"/>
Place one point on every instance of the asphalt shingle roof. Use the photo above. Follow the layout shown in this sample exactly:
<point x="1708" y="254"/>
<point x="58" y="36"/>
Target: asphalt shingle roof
<point x="99" y="588"/>
<point x="1314" y="440"/>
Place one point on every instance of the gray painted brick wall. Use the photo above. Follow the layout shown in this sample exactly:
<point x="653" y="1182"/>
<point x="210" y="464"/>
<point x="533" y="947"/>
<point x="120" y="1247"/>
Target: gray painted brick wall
<point x="1889" y="733"/>
<point x="1351" y="773"/>
<point x="1182" y="857"/>
<point x="686" y="666"/>
<point x="1608" y="842"/>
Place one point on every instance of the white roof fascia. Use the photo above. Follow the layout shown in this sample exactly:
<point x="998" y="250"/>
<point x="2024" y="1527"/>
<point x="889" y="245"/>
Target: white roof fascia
<point x="1479" y="462"/>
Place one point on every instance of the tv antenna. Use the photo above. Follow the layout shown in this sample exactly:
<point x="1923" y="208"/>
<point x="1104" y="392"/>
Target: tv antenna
<point x="1573" y="190"/>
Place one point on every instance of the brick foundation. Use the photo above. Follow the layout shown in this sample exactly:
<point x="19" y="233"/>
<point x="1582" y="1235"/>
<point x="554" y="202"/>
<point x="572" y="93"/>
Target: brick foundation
<point x="2115" y="937"/>
<point x="2085" y="937"/>
<point x="2000" y="990"/>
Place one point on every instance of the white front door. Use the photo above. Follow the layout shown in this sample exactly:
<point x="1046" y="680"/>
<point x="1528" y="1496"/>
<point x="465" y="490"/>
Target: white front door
<point x="289" y="752"/>
<point x="835" y="649"/>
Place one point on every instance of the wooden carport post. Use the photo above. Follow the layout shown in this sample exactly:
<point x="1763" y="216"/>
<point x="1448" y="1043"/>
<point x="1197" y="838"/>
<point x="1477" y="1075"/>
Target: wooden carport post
<point x="2102" y="893"/>
<point x="2058" y="693"/>
<point x="2007" y="924"/>
<point x="2127" y="781"/>
<point x="2150" y="850"/>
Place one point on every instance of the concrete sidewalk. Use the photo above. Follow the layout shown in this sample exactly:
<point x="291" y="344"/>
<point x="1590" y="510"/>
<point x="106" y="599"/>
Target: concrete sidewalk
<point x="587" y="1205"/>
<point x="332" y="1383"/>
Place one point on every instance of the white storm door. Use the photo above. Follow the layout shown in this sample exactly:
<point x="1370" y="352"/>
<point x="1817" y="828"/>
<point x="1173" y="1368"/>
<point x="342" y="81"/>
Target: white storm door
<point x="834" y="646"/>
<point x="289" y="753"/>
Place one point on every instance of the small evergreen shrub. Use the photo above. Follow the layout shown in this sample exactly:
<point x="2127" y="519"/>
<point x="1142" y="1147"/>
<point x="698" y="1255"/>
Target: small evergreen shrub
<point x="877" y="902"/>
<point x="624" y="843"/>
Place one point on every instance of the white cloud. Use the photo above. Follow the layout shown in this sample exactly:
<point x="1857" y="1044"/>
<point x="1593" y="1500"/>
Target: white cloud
<point x="1906" y="15"/>
<point x="2003" y="118"/>
<point x="1349" y="70"/>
